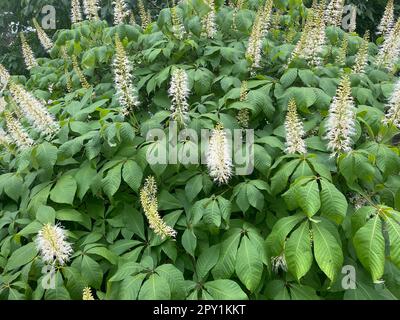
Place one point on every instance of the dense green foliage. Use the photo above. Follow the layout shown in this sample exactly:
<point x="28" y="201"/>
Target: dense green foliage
<point x="89" y="175"/>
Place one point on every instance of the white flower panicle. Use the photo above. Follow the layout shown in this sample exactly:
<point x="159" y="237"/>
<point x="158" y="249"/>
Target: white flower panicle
<point x="45" y="41"/>
<point x="85" y="84"/>
<point x="341" y="119"/>
<point x="294" y="130"/>
<point x="387" y="20"/>
<point x="145" y="16"/>
<point x="334" y="13"/>
<point x="342" y="56"/>
<point x="177" y="26"/>
<point x="209" y="28"/>
<point x="4" y="76"/>
<point x="34" y="110"/>
<point x="219" y="156"/>
<point x="17" y="132"/>
<point x="148" y="199"/>
<point x="267" y="14"/>
<point x="29" y="58"/>
<point x="91" y="9"/>
<point x="179" y="93"/>
<point x="3" y="105"/>
<point x="120" y="11"/>
<point x="87" y="294"/>
<point x="76" y="11"/>
<point x="53" y="245"/>
<point x="123" y="79"/>
<point x="389" y="52"/>
<point x="362" y="55"/>
<point x="392" y="116"/>
<point x="313" y="37"/>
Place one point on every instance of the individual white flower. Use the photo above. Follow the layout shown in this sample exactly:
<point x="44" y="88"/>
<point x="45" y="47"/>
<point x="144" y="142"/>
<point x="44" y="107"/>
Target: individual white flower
<point x="148" y="199"/>
<point x="123" y="79"/>
<point x="219" y="156"/>
<point x="4" y="76"/>
<point x="53" y="245"/>
<point x="29" y="58"/>
<point x="179" y="93"/>
<point x="209" y="28"/>
<point x="87" y="294"/>
<point x="91" y="9"/>
<point x="362" y="55"/>
<point x="177" y="26"/>
<point x="45" y="41"/>
<point x="387" y="20"/>
<point x="36" y="113"/>
<point x="120" y="11"/>
<point x="341" y="119"/>
<point x="313" y="37"/>
<point x="334" y="13"/>
<point x="389" y="52"/>
<point x="76" y="11"/>
<point x="294" y="131"/>
<point x="393" y="114"/>
<point x="17" y="132"/>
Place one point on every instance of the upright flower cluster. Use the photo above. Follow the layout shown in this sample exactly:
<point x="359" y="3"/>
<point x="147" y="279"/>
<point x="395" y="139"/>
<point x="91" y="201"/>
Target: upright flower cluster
<point x="122" y="68"/>
<point x="177" y="26"/>
<point x="45" y="41"/>
<point x="91" y="9"/>
<point x="208" y="21"/>
<point x="362" y="55"/>
<point x="85" y="84"/>
<point x="76" y="11"/>
<point x="3" y="105"/>
<point x="53" y="245"/>
<point x="341" y="120"/>
<point x="179" y="93"/>
<point x="17" y="132"/>
<point x="87" y="294"/>
<point x="387" y="20"/>
<point x="120" y="11"/>
<point x="4" y="139"/>
<point x="4" y="76"/>
<point x="219" y="157"/>
<point x="294" y="130"/>
<point x="390" y="50"/>
<point x="341" y="58"/>
<point x="27" y="52"/>
<point x="279" y="262"/>
<point x="236" y="9"/>
<point x="243" y="114"/>
<point x="313" y="37"/>
<point x="145" y="16"/>
<point x="258" y="32"/>
<point x="334" y="13"/>
<point x="33" y="110"/>
<point x="392" y="116"/>
<point x="148" y="199"/>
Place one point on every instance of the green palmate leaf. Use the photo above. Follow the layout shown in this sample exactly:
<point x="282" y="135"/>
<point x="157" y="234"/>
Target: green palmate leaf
<point x="112" y="181"/>
<point x="227" y="258"/>
<point x="394" y="237"/>
<point x="22" y="256"/>
<point x="46" y="155"/>
<point x="370" y="247"/>
<point x="84" y="178"/>
<point x="249" y="265"/>
<point x="46" y="214"/>
<point x="64" y="190"/>
<point x="280" y="179"/>
<point x="327" y="251"/>
<point x="333" y="202"/>
<point x="91" y="272"/>
<point x="276" y="239"/>
<point x="225" y="290"/>
<point x="289" y="77"/>
<point x="132" y="174"/>
<point x="206" y="261"/>
<point x="174" y="278"/>
<point x="14" y="187"/>
<point x="298" y="251"/>
<point x="189" y="241"/>
<point x="155" y="288"/>
<point x="130" y="287"/>
<point x="307" y="197"/>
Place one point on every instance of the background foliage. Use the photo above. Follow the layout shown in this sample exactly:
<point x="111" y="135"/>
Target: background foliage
<point x="321" y="213"/>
